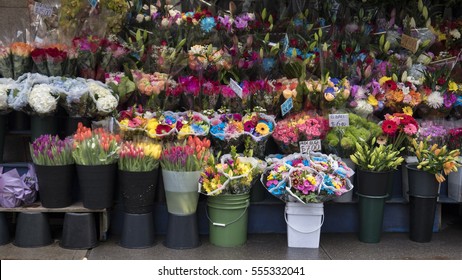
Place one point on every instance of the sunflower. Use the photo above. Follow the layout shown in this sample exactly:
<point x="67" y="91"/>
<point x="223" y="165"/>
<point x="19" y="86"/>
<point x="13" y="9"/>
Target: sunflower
<point x="262" y="128"/>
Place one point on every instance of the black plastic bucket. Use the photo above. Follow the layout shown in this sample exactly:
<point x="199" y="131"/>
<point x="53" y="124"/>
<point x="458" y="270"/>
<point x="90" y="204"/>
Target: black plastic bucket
<point x="97" y="184"/>
<point x="55" y="185"/>
<point x="138" y="190"/>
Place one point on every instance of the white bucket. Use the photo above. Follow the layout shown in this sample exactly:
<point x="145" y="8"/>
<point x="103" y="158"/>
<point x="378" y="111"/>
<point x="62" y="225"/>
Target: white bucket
<point x="455" y="185"/>
<point x="304" y="222"/>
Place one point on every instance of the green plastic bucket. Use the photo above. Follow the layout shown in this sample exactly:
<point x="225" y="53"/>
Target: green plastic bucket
<point x="371" y="217"/>
<point x="228" y="218"/>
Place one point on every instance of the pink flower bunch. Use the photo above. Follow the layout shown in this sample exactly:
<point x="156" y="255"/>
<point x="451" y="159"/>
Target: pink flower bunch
<point x="300" y="127"/>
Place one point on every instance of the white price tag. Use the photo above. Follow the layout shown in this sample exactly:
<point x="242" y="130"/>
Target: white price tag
<point x="287" y="106"/>
<point x="339" y="120"/>
<point x="236" y="88"/>
<point x="43" y="9"/>
<point x="310" y="146"/>
<point x="285" y="44"/>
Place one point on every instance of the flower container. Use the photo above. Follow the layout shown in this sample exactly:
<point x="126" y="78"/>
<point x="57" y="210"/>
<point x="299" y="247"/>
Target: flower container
<point x="138" y="190"/>
<point x="3" y="130"/>
<point x="421" y="183"/>
<point x="55" y="185"/>
<point x="373" y="183"/>
<point x="97" y="184"/>
<point x="371" y="209"/>
<point x="137" y="231"/>
<point x="455" y="185"/>
<point x="304" y="222"/>
<point x="228" y="216"/>
<point x="71" y="123"/>
<point x="79" y="231"/>
<point x="43" y="125"/>
<point x="18" y="121"/>
<point x="4" y="230"/>
<point x="182" y="198"/>
<point x="348" y="196"/>
<point x="32" y="230"/>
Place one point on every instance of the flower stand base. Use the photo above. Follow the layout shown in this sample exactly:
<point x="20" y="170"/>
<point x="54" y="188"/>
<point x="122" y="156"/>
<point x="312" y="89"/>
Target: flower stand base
<point x="371" y="209"/>
<point x="182" y="232"/>
<point x="137" y="231"/>
<point x="79" y="231"/>
<point x="304" y="222"/>
<point x="422" y="216"/>
<point x="32" y="230"/>
<point x="4" y="230"/>
<point x="228" y="216"/>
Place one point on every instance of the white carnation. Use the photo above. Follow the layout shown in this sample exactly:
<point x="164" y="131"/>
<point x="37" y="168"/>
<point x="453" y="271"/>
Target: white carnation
<point x="363" y="108"/>
<point x="106" y="104"/>
<point x="41" y="100"/>
<point x="435" y="100"/>
<point x="4" y="89"/>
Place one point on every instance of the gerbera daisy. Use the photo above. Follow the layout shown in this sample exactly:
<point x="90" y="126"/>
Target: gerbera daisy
<point x="262" y="128"/>
<point x="389" y="127"/>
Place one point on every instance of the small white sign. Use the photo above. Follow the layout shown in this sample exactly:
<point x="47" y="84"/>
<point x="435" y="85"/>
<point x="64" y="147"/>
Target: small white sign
<point x="339" y="120"/>
<point x="310" y="146"/>
<point x="43" y="9"/>
<point x="287" y="106"/>
<point x="236" y="88"/>
<point x="285" y="43"/>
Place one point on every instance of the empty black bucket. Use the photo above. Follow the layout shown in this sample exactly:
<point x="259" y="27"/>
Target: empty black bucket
<point x="182" y="232"/>
<point x="55" y="185"/>
<point x="4" y="230"/>
<point x="32" y="230"/>
<point x="422" y="216"/>
<point x="79" y="231"/>
<point x="138" y="190"/>
<point x="97" y="183"/>
<point x="137" y="231"/>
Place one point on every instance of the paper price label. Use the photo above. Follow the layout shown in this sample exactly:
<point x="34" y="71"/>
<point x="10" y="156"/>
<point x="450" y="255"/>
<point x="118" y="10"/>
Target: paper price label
<point x="310" y="146"/>
<point x="285" y="43"/>
<point x="287" y="106"/>
<point x="43" y="9"/>
<point x="409" y="43"/>
<point x="336" y="120"/>
<point x="236" y="88"/>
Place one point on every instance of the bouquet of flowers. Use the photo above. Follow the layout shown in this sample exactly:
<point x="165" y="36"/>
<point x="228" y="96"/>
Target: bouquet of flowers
<point x="232" y="102"/>
<point x="191" y="90"/>
<point x="226" y="130"/>
<point x="210" y="95"/>
<point x="132" y="122"/>
<point x="264" y="96"/>
<point x="153" y="86"/>
<point x="335" y="95"/>
<point x="300" y="127"/>
<point x="43" y="99"/>
<point x="290" y="88"/>
<point x="49" y="150"/>
<point x="435" y="159"/>
<point x="367" y="99"/>
<point x="455" y="138"/>
<point x="233" y="175"/>
<point x="161" y="127"/>
<point x="341" y="140"/>
<point x="400" y="96"/>
<point x="433" y="132"/>
<point x="89" y="52"/>
<point x="258" y="128"/>
<point x="20" y="56"/>
<point x="399" y="127"/>
<point x="50" y="61"/>
<point x="95" y="147"/>
<point x="6" y="64"/>
<point x="192" y="123"/>
<point x="120" y="84"/>
<point x="103" y="97"/>
<point x="74" y="96"/>
<point x="5" y="87"/>
<point x="112" y="56"/>
<point x="190" y="155"/>
<point x="139" y="156"/>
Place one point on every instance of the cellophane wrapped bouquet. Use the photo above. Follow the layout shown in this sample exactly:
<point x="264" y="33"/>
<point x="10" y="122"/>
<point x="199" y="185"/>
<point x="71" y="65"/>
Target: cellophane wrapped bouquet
<point x="258" y="128"/>
<point x="226" y="130"/>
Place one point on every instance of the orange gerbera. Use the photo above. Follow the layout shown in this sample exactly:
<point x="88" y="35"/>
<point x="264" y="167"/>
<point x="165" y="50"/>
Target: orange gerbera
<point x="416" y="98"/>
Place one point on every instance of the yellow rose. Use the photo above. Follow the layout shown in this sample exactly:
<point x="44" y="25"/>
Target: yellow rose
<point x="372" y="100"/>
<point x="384" y="80"/>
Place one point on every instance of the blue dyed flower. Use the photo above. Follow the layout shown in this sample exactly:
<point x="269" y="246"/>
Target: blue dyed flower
<point x="218" y="131"/>
<point x="197" y="129"/>
<point x="290" y="52"/>
<point x="306" y="162"/>
<point x="170" y="120"/>
<point x="458" y="101"/>
<point x="268" y="64"/>
<point x="307" y="55"/>
<point x="207" y="24"/>
<point x="322" y="22"/>
<point x="298" y="22"/>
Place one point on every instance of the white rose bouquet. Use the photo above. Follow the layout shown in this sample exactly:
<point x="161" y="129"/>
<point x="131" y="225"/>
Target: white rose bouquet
<point x="43" y="99"/>
<point x="103" y="97"/>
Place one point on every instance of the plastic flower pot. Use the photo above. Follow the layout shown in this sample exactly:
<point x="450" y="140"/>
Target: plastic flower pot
<point x="371" y="210"/>
<point x="421" y="183"/>
<point x="304" y="222"/>
<point x="137" y="231"/>
<point x="79" y="231"/>
<point x="43" y="125"/>
<point x="55" y="185"/>
<point x="422" y="216"/>
<point x="32" y="230"/>
<point x="228" y="216"/>
<point x="138" y="190"/>
<point x="373" y="183"/>
<point x="4" y="230"/>
<point x="455" y="185"/>
<point x="97" y="183"/>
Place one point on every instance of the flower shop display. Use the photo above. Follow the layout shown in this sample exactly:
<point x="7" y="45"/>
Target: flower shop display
<point x="399" y="128"/>
<point x="18" y="190"/>
<point x="192" y="124"/>
<point x="137" y="175"/>
<point x="455" y="178"/>
<point x="226" y="131"/>
<point x="161" y="126"/>
<point x="375" y="165"/>
<point x="55" y="170"/>
<point x="299" y="127"/>
<point x="425" y="179"/>
<point x="132" y="122"/>
<point x="182" y="164"/>
<point x="227" y="184"/>
<point x="95" y="155"/>
<point x="258" y="127"/>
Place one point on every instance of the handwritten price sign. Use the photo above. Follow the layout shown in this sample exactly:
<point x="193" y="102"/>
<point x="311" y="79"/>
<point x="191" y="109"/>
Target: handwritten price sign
<point x="336" y="120"/>
<point x="287" y="106"/>
<point x="310" y="146"/>
<point x="43" y="9"/>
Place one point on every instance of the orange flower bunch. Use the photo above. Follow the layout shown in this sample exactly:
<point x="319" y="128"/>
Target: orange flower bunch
<point x="200" y="146"/>
<point x="21" y="49"/>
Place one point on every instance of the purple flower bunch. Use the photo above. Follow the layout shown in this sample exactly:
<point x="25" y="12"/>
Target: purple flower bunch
<point x="432" y="132"/>
<point x="49" y="150"/>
